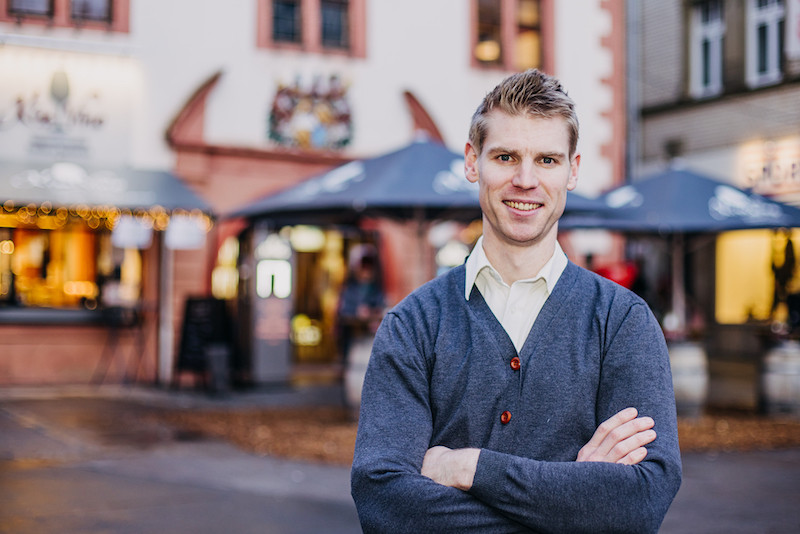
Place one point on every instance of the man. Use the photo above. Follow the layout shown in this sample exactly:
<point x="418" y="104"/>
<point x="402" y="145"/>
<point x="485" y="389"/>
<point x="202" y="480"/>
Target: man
<point x="518" y="392"/>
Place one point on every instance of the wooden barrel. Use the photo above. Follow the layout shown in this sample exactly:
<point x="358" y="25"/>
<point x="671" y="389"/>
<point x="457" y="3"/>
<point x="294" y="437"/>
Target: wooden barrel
<point x="780" y="379"/>
<point x="689" y="364"/>
<point x="356" y="368"/>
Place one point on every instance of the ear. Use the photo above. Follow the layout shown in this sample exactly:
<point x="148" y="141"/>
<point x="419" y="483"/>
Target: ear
<point x="574" y="165"/>
<point x="471" y="163"/>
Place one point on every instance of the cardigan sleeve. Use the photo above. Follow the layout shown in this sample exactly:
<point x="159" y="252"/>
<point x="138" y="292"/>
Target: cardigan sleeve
<point x="595" y="496"/>
<point x="395" y="427"/>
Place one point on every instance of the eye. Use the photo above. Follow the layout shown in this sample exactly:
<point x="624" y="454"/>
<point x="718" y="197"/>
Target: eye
<point x="504" y="157"/>
<point x="547" y="160"/>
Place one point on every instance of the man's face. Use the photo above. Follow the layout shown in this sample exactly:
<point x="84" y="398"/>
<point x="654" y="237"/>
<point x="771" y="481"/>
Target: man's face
<point x="524" y="171"/>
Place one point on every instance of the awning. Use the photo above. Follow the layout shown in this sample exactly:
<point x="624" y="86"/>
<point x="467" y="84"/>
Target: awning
<point x="70" y="184"/>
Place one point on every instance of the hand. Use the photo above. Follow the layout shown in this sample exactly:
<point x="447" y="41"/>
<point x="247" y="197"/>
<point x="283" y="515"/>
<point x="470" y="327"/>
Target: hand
<point x="620" y="439"/>
<point x="451" y="467"/>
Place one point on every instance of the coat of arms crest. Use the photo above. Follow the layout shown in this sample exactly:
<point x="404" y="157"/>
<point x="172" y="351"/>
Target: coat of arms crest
<point x="318" y="117"/>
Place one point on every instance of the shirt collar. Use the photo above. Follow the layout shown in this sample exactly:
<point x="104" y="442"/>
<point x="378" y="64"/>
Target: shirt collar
<point x="477" y="261"/>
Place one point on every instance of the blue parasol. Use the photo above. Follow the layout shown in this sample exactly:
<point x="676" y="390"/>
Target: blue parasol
<point x="421" y="181"/>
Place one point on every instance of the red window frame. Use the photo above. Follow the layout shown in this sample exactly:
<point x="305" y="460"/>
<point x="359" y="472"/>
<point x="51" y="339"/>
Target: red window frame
<point x="508" y="31"/>
<point x="62" y="17"/>
<point x="311" y="17"/>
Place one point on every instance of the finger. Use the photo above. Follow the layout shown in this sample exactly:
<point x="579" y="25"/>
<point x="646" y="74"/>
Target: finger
<point x="629" y="445"/>
<point x="635" y="431"/>
<point x="625" y="438"/>
<point x="624" y="431"/>
<point x="610" y="424"/>
<point x="633" y="457"/>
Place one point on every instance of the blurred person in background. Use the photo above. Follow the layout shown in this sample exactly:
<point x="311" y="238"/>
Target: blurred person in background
<point x="361" y="304"/>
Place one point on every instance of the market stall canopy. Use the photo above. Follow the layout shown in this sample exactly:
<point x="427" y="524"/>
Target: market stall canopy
<point x="69" y="184"/>
<point x="423" y="180"/>
<point x="683" y="201"/>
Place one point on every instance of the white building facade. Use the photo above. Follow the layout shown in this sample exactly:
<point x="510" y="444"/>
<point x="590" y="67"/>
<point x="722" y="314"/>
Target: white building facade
<point x="239" y="99"/>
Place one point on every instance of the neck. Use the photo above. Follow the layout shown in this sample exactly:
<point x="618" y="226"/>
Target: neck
<point x="518" y="262"/>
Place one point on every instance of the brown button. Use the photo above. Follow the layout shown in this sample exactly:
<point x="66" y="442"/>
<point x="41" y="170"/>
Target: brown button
<point x="515" y="363"/>
<point x="505" y="417"/>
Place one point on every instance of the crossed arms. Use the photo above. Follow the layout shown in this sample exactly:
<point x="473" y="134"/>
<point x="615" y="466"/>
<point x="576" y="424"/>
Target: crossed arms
<point x="620" y="439"/>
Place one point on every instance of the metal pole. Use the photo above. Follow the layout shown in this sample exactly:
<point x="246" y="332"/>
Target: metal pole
<point x="678" y="286"/>
<point x="166" y="314"/>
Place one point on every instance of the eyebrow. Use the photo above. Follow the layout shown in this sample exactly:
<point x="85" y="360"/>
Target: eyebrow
<point x="502" y="150"/>
<point x="554" y="155"/>
<point x="493" y="151"/>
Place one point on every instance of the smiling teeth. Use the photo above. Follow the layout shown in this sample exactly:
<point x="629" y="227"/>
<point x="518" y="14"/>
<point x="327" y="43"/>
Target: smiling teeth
<point x="524" y="206"/>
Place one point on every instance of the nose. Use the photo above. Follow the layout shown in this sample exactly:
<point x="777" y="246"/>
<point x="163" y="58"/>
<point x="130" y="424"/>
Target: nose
<point x="527" y="176"/>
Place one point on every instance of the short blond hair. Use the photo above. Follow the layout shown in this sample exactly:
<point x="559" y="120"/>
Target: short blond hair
<point x="531" y="93"/>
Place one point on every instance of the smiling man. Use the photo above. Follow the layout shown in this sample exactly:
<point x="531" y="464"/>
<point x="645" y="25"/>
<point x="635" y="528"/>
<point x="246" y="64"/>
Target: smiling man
<point x="518" y="392"/>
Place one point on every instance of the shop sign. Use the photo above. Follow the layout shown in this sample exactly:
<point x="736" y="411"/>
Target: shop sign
<point x="185" y="233"/>
<point x="132" y="232"/>
<point x="771" y="167"/>
<point x="65" y="106"/>
<point x="315" y="117"/>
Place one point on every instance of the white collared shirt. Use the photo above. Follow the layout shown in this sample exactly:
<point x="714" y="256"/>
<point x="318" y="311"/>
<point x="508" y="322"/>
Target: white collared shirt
<point x="516" y="306"/>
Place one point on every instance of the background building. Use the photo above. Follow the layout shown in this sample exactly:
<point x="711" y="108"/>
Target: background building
<point x="719" y="86"/>
<point x="246" y="98"/>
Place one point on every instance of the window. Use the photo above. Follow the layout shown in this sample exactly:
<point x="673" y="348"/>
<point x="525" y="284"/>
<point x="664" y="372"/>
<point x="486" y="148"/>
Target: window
<point x="317" y="26"/>
<point x="106" y="15"/>
<point x="334" y="23"/>
<point x="91" y="10"/>
<point x="707" y="33"/>
<point x="765" y="27"/>
<point x="42" y="8"/>
<point x="287" y="23"/>
<point x="489" y="50"/>
<point x="56" y="260"/>
<point x="508" y="34"/>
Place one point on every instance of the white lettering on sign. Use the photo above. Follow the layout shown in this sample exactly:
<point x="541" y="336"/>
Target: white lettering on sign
<point x="66" y="106"/>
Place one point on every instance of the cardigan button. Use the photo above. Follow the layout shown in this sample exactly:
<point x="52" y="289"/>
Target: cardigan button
<point x="505" y="417"/>
<point x="515" y="365"/>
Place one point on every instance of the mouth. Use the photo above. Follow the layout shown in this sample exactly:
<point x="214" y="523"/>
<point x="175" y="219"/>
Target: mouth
<point x="522" y="206"/>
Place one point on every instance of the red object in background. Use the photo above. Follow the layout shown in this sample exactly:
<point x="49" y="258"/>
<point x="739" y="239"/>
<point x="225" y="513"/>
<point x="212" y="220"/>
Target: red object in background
<point x="624" y="273"/>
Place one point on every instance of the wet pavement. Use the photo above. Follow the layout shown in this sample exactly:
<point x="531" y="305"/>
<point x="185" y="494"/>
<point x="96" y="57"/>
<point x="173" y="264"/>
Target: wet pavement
<point x="97" y="464"/>
<point x="90" y="460"/>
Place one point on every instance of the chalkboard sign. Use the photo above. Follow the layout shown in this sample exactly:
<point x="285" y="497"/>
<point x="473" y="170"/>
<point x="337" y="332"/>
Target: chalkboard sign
<point x="205" y="323"/>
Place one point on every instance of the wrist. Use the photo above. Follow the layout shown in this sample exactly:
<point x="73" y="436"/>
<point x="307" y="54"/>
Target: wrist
<point x="466" y="463"/>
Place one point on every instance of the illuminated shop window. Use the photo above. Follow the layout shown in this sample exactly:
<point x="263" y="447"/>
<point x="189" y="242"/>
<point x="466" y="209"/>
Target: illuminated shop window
<point x="101" y="14"/>
<point x="225" y="276"/>
<point x="755" y="256"/>
<point x="65" y="268"/>
<point x="508" y="34"/>
<point x="64" y="258"/>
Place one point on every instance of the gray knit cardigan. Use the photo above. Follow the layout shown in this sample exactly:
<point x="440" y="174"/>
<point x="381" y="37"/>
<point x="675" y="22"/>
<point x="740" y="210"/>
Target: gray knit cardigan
<point x="440" y="374"/>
